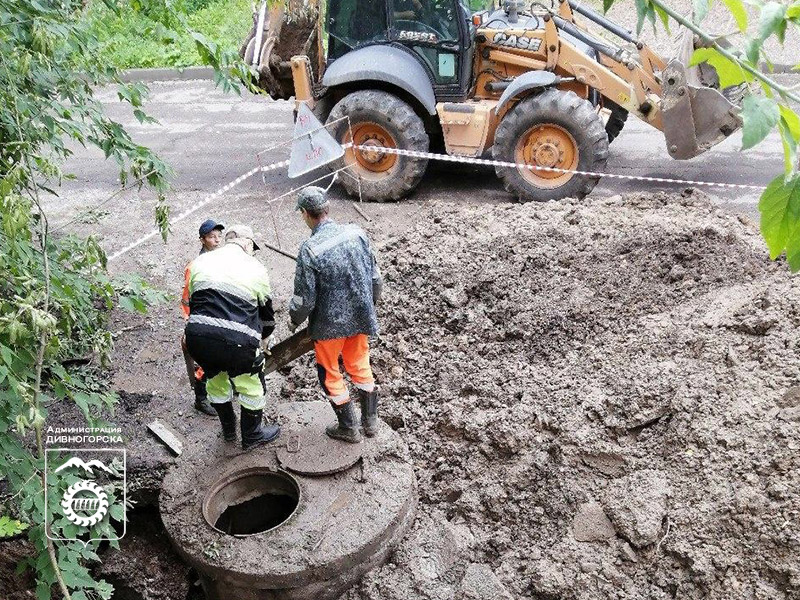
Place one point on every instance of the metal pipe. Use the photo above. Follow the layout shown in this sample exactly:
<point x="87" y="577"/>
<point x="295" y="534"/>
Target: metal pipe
<point x="497" y="86"/>
<point x="612" y="53"/>
<point x="599" y="19"/>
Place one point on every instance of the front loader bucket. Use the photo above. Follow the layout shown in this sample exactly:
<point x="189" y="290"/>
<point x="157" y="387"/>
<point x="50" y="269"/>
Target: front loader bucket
<point x="696" y="115"/>
<point x="278" y="44"/>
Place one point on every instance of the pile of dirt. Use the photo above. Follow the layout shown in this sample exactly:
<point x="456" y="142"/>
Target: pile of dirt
<point x="598" y="397"/>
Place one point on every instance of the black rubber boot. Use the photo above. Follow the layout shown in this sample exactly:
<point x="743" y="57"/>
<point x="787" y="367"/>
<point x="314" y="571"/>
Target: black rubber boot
<point x="254" y="432"/>
<point x="201" y="402"/>
<point x="369" y="411"/>
<point x="347" y="427"/>
<point x="228" y="419"/>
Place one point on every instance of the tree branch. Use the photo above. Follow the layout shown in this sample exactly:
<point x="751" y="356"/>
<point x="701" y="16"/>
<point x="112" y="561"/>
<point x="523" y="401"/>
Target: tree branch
<point x="783" y="91"/>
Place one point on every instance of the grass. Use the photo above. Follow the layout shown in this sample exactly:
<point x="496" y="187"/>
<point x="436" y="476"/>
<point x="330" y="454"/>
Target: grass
<point x="131" y="40"/>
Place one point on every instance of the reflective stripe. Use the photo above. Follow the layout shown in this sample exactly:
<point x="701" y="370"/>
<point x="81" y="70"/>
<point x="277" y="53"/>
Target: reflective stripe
<point x="340" y="238"/>
<point x="340" y="399"/>
<point x="228" y="288"/>
<point x="253" y="402"/>
<point x="298" y="300"/>
<point x="225" y="324"/>
<point x="220" y="399"/>
<point x="367" y="387"/>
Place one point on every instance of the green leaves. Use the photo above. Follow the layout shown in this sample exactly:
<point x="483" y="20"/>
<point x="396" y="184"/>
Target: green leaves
<point x="730" y="73"/>
<point x="644" y="10"/>
<point x="780" y="218"/>
<point x="772" y="21"/>
<point x="10" y="527"/>
<point x="133" y="304"/>
<point x="739" y="12"/>
<point x="760" y="115"/>
<point x="789" y="128"/>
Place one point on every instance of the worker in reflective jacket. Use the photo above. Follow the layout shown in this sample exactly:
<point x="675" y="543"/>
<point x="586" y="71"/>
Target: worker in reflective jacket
<point x="337" y="284"/>
<point x="230" y="322"/>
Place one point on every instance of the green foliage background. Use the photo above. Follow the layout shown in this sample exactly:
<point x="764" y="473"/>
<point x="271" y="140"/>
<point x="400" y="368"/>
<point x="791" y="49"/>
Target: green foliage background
<point x="55" y="291"/>
<point x="131" y="39"/>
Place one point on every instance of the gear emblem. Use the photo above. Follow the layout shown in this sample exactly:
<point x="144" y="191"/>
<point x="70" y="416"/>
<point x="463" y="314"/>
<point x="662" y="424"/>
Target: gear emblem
<point x="85" y="503"/>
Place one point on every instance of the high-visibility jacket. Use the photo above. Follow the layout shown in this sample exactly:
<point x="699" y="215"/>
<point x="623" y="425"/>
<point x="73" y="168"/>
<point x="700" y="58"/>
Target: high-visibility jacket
<point x="337" y="283"/>
<point x="229" y="297"/>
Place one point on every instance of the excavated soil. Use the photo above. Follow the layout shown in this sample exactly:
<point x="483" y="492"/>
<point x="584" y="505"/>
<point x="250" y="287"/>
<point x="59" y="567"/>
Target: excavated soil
<point x="599" y="402"/>
<point x="599" y="399"/>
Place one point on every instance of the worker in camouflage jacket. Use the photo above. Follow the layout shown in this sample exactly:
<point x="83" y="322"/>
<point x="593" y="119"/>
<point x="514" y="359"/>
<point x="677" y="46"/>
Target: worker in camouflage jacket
<point x="337" y="284"/>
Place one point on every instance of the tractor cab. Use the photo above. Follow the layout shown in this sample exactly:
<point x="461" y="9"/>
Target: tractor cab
<point x="438" y="33"/>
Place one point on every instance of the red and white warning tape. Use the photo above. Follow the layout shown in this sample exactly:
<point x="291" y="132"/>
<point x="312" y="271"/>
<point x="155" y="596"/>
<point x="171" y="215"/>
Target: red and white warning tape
<point x="500" y="163"/>
<point x="429" y="156"/>
<point x="193" y="209"/>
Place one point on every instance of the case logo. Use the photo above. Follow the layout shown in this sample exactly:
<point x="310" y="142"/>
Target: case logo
<point x="521" y="42"/>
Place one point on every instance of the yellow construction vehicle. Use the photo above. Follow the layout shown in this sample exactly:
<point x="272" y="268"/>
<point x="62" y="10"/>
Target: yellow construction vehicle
<point x="535" y="86"/>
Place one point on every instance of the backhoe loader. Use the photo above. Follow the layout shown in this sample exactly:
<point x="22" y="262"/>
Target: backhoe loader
<point x="534" y="86"/>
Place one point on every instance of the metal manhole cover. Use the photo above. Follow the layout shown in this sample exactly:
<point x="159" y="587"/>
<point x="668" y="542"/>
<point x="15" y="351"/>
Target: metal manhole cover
<point x="314" y="453"/>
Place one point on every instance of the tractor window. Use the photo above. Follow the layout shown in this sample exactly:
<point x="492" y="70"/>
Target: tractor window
<point x="430" y="21"/>
<point x="351" y="23"/>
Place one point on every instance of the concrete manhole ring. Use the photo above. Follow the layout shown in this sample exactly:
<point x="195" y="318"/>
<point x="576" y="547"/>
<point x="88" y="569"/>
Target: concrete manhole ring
<point x="255" y="531"/>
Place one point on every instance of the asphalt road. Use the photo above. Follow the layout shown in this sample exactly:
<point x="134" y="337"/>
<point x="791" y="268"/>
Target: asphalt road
<point x="210" y="138"/>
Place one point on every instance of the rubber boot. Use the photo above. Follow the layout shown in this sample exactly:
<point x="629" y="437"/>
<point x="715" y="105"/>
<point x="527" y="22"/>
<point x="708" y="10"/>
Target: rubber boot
<point x="347" y="427"/>
<point x="369" y="411"/>
<point x="228" y="419"/>
<point x="254" y="432"/>
<point x="201" y="402"/>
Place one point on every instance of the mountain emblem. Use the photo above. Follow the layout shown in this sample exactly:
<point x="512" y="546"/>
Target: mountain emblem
<point x="77" y="462"/>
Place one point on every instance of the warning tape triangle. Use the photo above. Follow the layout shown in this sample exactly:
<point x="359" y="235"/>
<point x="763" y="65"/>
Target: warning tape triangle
<point x="313" y="145"/>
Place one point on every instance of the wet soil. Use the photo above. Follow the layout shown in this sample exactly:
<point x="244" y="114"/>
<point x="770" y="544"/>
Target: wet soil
<point x="599" y="398"/>
<point x="13" y="585"/>
<point x="146" y="567"/>
<point x="600" y="402"/>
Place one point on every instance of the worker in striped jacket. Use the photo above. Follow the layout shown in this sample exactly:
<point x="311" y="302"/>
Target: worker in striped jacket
<point x="230" y="323"/>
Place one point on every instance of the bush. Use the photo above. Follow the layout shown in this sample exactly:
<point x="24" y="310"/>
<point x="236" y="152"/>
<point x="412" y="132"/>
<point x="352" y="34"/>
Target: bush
<point x="131" y="39"/>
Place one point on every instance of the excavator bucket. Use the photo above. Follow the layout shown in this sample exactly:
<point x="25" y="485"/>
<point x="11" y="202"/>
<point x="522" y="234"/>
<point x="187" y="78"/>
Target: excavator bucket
<point x="287" y="29"/>
<point x="696" y="114"/>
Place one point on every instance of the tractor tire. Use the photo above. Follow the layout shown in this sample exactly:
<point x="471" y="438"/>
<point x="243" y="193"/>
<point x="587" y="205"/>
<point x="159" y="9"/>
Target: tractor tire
<point x="616" y="121"/>
<point x="551" y="129"/>
<point x="381" y="119"/>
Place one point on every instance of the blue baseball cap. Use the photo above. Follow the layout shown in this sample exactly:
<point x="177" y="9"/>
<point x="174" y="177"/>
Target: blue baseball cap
<point x="210" y="225"/>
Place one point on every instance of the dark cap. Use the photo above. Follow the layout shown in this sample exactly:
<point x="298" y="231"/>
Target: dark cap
<point x="210" y="225"/>
<point x="311" y="198"/>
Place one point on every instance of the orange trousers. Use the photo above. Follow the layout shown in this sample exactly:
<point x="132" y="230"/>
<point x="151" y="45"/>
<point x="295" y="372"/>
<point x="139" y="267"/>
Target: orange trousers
<point x="354" y="351"/>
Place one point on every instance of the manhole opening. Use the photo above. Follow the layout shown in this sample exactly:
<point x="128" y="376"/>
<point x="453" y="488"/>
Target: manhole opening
<point x="251" y="501"/>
